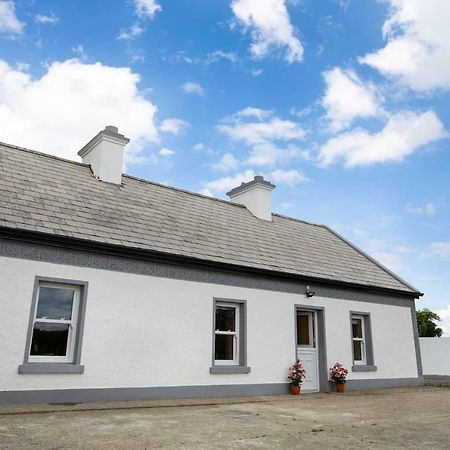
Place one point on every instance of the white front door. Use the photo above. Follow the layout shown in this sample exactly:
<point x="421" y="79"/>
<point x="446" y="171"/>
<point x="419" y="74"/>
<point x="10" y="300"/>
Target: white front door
<point x="307" y="348"/>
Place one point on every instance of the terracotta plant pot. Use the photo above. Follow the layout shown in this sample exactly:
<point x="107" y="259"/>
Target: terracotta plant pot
<point x="340" y="387"/>
<point x="295" y="390"/>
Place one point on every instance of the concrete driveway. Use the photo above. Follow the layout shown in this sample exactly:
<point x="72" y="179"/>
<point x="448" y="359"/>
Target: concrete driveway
<point x="395" y="418"/>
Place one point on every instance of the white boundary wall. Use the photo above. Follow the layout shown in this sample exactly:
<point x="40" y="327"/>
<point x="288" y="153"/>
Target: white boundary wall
<point x="435" y="355"/>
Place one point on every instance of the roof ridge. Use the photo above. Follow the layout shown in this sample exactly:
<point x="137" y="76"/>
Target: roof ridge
<point x="46" y="155"/>
<point x="228" y="202"/>
<point x="299" y="220"/>
<point x="184" y="191"/>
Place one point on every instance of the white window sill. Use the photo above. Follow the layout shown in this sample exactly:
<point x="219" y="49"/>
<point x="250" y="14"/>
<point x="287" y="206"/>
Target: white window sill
<point x="363" y="368"/>
<point x="229" y="369"/>
<point x="51" y="368"/>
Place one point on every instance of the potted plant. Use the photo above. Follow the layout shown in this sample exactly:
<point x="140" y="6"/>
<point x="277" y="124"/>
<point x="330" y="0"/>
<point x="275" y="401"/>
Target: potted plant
<point x="338" y="375"/>
<point x="296" y="375"/>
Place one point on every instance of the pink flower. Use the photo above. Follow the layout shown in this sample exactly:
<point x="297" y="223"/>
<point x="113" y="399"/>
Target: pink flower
<point x="296" y="373"/>
<point x="338" y="373"/>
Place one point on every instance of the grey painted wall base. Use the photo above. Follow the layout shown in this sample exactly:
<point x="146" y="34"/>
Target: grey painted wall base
<point x="381" y="383"/>
<point x="141" y="393"/>
<point x="171" y="392"/>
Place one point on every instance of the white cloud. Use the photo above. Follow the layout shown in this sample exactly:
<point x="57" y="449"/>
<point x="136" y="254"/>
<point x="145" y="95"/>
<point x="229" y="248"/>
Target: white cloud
<point x="136" y="56"/>
<point x="417" y="52"/>
<point x="132" y="158"/>
<point x="439" y="249"/>
<point x="289" y="177"/>
<point x="344" y="3"/>
<point x="224" y="184"/>
<point x="404" y="133"/>
<point x="268" y="154"/>
<point x="270" y="27"/>
<point x="250" y="111"/>
<point x="133" y="32"/>
<point x="192" y="88"/>
<point x="182" y="56"/>
<point x="51" y="19"/>
<point x="404" y="250"/>
<point x="10" y="25"/>
<point x="146" y="9"/>
<point x="373" y="236"/>
<point x="218" y="55"/>
<point x="257" y="72"/>
<point x="429" y="209"/>
<point x="359" y="231"/>
<point x="200" y="147"/>
<point x="22" y="67"/>
<point x="59" y="112"/>
<point x="227" y="162"/>
<point x="80" y="52"/>
<point x="347" y="97"/>
<point x="300" y="113"/>
<point x="206" y="191"/>
<point x="166" y="152"/>
<point x="261" y="132"/>
<point x="393" y="261"/>
<point x="263" y="135"/>
<point x="287" y="205"/>
<point x="444" y="315"/>
<point x="174" y="125"/>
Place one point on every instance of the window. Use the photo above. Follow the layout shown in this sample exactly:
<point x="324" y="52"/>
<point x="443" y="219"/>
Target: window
<point x="226" y="349"/>
<point x="55" y="330"/>
<point x="359" y="345"/>
<point x="229" y="337"/>
<point x="306" y="329"/>
<point x="362" y="346"/>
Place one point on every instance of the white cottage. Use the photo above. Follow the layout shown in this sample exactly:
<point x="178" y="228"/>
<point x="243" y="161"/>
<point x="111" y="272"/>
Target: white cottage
<point x="114" y="287"/>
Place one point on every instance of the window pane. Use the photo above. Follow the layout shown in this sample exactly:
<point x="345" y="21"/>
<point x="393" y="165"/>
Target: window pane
<point x="49" y="339"/>
<point x="55" y="303"/>
<point x="358" y="350"/>
<point x="357" y="328"/>
<point x="225" y="318"/>
<point x="303" y="337"/>
<point x="224" y="347"/>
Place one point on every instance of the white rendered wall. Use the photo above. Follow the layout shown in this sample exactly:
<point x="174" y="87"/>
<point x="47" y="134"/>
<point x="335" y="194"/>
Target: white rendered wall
<point x="435" y="355"/>
<point x="148" y="331"/>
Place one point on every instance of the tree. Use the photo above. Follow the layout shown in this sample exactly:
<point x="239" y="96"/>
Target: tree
<point x="426" y="323"/>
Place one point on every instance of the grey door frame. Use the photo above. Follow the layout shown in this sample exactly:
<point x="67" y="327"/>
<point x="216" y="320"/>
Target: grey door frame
<point x="324" y="384"/>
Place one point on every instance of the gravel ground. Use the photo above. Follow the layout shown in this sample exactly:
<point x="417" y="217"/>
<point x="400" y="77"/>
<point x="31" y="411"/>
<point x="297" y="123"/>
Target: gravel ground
<point x="387" y="419"/>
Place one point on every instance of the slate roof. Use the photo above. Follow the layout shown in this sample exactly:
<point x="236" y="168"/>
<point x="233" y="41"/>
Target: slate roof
<point x="47" y="194"/>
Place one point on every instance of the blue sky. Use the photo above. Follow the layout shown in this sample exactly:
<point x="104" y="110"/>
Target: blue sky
<point x="343" y="104"/>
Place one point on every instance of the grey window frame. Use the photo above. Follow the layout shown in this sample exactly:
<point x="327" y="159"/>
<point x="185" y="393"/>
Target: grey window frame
<point x="74" y="367"/>
<point x="369" y="366"/>
<point x="241" y="367"/>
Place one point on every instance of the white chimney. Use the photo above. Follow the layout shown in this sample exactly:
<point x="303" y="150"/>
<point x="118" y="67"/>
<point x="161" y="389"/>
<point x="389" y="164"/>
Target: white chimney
<point x="256" y="196"/>
<point x="104" y="153"/>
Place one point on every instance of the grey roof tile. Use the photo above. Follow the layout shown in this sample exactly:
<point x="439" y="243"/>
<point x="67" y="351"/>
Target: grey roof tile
<point x="48" y="194"/>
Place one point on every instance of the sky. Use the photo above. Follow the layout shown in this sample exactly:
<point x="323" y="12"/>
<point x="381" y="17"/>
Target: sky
<point x="342" y="104"/>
